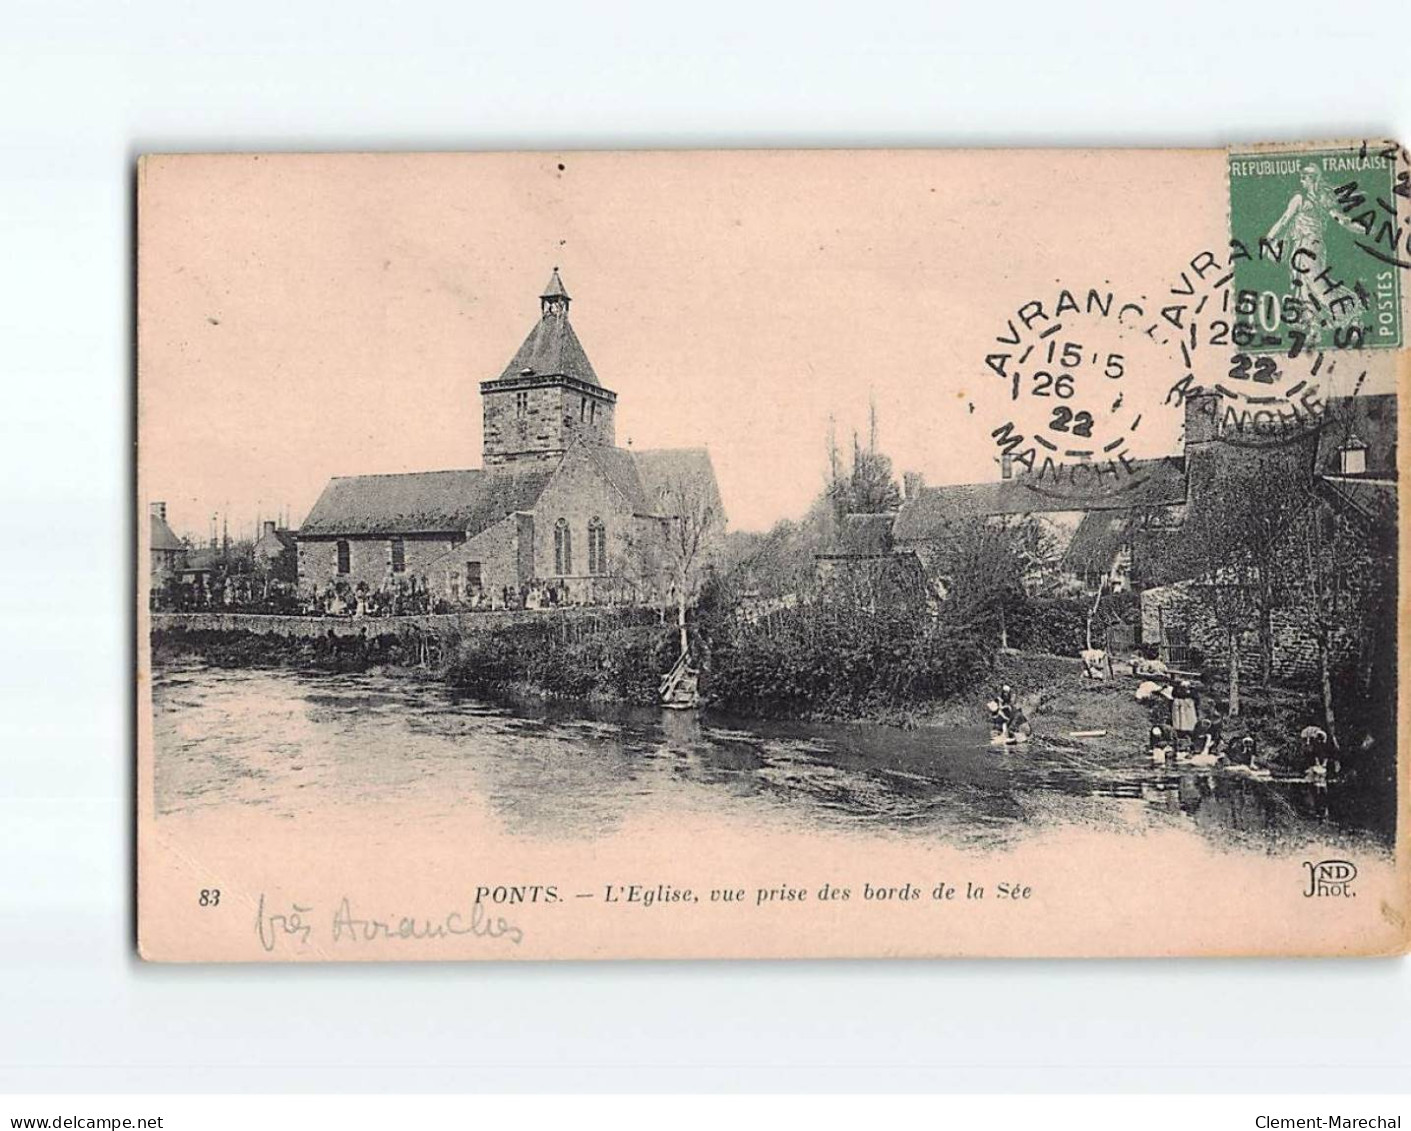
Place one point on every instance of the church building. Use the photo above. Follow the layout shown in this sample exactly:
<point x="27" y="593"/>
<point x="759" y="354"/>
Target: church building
<point x="556" y="508"/>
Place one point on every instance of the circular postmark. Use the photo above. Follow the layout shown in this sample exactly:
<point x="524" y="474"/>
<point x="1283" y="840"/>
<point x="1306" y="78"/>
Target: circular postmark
<point x="1247" y="342"/>
<point x="1082" y="368"/>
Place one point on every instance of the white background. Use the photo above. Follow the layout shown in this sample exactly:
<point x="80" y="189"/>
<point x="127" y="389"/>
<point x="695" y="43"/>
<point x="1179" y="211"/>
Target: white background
<point x="85" y="88"/>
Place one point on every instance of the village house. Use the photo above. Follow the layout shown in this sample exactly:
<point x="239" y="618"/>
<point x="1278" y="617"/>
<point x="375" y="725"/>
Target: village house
<point x="1349" y="465"/>
<point x="1115" y="533"/>
<point x="276" y="551"/>
<point x="168" y="552"/>
<point x="1094" y="528"/>
<point x="557" y="511"/>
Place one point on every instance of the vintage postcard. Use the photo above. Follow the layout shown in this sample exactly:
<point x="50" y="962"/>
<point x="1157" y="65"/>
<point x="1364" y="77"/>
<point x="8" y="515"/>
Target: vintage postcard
<point x="771" y="554"/>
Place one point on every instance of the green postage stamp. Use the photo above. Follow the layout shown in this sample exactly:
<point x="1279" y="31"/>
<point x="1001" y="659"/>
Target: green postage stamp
<point x="1315" y="238"/>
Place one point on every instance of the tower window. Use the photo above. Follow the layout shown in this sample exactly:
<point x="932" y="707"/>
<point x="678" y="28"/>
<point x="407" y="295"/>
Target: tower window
<point x="399" y="556"/>
<point x="521" y="404"/>
<point x="597" y="546"/>
<point x="583" y="408"/>
<point x="563" y="548"/>
<point x="344" y="558"/>
<point x="472" y="576"/>
<point x="592" y="411"/>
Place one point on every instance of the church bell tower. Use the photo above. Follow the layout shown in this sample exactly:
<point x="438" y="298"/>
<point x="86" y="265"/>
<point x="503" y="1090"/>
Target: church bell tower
<point x="548" y="396"/>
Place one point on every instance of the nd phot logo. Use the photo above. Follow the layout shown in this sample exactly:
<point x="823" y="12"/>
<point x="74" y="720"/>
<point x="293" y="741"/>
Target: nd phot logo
<point x="1330" y="878"/>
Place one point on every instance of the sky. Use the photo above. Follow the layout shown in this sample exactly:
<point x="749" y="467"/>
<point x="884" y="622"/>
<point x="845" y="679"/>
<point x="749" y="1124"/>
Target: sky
<point x="306" y="316"/>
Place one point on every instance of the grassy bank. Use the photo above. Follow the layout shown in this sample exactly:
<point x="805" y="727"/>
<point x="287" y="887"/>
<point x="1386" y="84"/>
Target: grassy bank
<point x="623" y="664"/>
<point x="897" y="682"/>
<point x="946" y="682"/>
<point x="619" y="664"/>
<point x="242" y="649"/>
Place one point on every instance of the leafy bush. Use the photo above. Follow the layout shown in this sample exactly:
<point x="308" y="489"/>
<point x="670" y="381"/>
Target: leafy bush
<point x="1056" y="625"/>
<point x="836" y="660"/>
<point x="624" y="662"/>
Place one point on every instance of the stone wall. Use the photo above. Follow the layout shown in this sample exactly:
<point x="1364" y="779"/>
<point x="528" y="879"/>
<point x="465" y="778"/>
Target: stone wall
<point x="498" y="552"/>
<point x="1180" y="606"/>
<point x="370" y="560"/>
<point x="556" y="415"/>
<point x="430" y="624"/>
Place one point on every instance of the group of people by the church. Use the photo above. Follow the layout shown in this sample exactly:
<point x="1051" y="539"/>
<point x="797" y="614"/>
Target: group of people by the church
<point x="415" y="595"/>
<point x="223" y="590"/>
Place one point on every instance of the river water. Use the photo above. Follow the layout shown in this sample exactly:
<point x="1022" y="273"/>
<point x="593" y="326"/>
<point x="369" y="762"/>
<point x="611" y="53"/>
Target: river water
<point x="294" y="743"/>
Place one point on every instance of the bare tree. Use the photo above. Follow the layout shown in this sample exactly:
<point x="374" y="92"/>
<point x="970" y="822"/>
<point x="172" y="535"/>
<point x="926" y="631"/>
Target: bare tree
<point x="1240" y="547"/>
<point x="1342" y="578"/>
<point x="1222" y="586"/>
<point x="982" y="567"/>
<point x="693" y="522"/>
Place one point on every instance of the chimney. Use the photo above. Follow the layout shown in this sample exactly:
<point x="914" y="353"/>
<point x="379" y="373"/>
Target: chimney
<point x="1006" y="466"/>
<point x="912" y="482"/>
<point x="159" y="510"/>
<point x="269" y="527"/>
<point x="1203" y="411"/>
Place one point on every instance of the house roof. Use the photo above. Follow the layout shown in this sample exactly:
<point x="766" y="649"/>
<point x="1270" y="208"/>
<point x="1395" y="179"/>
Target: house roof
<point x="1096" y="541"/>
<point x="863" y="536"/>
<point x="203" y="560"/>
<point x="551" y="350"/>
<point x="162" y="537"/>
<point x="1150" y="483"/>
<point x="1359" y="421"/>
<point x="279" y="537"/>
<point x="658" y="469"/>
<point x="1374" y="500"/>
<point x="427" y="502"/>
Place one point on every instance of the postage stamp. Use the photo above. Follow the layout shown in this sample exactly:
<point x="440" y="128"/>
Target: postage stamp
<point x="1319" y="231"/>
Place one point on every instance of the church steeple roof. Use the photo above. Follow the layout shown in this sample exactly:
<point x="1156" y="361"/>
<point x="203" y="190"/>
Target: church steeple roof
<point x="555" y="288"/>
<point x="552" y="349"/>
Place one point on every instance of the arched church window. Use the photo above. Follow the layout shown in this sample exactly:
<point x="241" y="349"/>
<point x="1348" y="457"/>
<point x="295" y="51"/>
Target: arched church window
<point x="597" y="546"/>
<point x="563" y="548"/>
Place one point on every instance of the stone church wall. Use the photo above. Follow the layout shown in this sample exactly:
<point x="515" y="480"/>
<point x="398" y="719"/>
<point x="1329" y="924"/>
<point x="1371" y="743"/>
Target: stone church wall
<point x="579" y="493"/>
<point x="497" y="551"/>
<point x="370" y="560"/>
<point x="506" y="432"/>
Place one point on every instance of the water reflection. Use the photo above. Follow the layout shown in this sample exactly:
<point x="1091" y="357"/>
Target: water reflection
<point x="299" y="743"/>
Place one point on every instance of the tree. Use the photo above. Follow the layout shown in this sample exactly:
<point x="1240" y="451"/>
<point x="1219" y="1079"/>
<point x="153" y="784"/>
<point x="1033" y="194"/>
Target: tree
<point x="692" y="522"/>
<point x="1213" y="541"/>
<point x="1238" y="545"/>
<point x="1342" y="586"/>
<point x="982" y="567"/>
<point x="1254" y="496"/>
<point x="869" y="487"/>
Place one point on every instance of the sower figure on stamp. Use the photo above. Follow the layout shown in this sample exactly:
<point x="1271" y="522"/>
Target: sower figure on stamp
<point x="1304" y="221"/>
